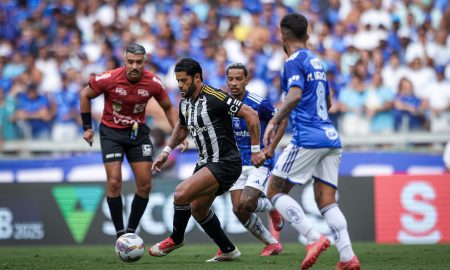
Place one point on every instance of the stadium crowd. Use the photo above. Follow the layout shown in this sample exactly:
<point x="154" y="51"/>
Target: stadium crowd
<point x="387" y="61"/>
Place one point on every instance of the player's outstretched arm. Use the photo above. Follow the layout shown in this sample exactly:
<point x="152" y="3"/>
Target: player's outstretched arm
<point x="254" y="128"/>
<point x="179" y="134"/>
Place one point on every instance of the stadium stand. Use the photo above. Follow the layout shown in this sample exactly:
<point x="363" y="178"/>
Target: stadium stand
<point x="388" y="61"/>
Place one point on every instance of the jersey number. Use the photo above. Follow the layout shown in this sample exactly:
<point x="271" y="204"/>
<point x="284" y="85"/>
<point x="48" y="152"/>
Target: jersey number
<point x="321" y="104"/>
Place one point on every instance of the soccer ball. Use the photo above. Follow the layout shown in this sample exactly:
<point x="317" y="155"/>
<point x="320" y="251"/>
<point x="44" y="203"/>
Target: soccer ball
<point x="130" y="247"/>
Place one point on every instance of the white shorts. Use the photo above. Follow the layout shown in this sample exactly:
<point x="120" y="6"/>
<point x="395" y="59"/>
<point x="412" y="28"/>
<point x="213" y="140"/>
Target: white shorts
<point x="298" y="164"/>
<point x="252" y="177"/>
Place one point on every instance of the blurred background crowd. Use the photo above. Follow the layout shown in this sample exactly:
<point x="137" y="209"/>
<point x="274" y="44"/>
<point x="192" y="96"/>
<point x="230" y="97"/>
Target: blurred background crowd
<point x="387" y="61"/>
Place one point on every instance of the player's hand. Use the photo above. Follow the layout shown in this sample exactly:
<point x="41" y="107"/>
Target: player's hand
<point x="269" y="134"/>
<point x="183" y="146"/>
<point x="88" y="136"/>
<point x="268" y="151"/>
<point x="160" y="160"/>
<point x="258" y="159"/>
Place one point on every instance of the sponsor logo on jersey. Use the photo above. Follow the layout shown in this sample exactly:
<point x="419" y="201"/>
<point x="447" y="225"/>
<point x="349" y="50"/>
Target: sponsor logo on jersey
<point x="120" y="91"/>
<point x="293" y="78"/>
<point x="139" y="107"/>
<point x="124" y="120"/>
<point x="242" y="133"/>
<point x="117" y="105"/>
<point x="143" y="93"/>
<point x="195" y="130"/>
<point x="316" y="63"/>
<point x="103" y="76"/>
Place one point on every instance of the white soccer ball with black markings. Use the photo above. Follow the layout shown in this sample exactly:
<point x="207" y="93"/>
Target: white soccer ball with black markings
<point x="130" y="247"/>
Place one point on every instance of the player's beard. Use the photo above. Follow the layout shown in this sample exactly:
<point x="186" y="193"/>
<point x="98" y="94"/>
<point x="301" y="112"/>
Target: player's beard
<point x="135" y="76"/>
<point x="190" y="91"/>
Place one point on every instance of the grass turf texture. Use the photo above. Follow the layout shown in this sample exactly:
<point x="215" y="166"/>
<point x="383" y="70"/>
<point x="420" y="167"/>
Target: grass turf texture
<point x="192" y="256"/>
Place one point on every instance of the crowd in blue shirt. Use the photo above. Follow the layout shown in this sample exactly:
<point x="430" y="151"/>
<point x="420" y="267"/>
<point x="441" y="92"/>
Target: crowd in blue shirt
<point x="387" y="62"/>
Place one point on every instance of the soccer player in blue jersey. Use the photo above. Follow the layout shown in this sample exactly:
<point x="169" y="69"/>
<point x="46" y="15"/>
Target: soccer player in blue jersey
<point x="315" y="150"/>
<point x="246" y="192"/>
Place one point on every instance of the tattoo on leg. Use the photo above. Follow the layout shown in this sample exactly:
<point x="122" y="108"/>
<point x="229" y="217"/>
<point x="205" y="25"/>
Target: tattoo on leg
<point x="281" y="185"/>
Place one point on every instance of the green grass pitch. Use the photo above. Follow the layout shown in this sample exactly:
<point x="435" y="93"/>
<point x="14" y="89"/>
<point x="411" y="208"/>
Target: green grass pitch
<point x="192" y="256"/>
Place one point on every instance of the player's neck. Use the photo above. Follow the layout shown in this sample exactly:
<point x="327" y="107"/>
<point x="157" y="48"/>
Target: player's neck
<point x="197" y="92"/>
<point x="295" y="46"/>
<point x="240" y="96"/>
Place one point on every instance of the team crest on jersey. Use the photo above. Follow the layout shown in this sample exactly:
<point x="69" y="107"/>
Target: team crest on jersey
<point x="236" y="123"/>
<point x="143" y="93"/>
<point x="120" y="91"/>
<point x="315" y="62"/>
<point x="117" y="105"/>
<point x="331" y="133"/>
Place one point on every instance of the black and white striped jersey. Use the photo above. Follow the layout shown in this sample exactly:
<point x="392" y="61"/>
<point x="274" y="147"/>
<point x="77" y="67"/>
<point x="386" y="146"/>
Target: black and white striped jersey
<point x="209" y="121"/>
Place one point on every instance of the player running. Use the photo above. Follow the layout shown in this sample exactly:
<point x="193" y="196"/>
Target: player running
<point x="246" y="192"/>
<point x="315" y="150"/>
<point x="206" y="114"/>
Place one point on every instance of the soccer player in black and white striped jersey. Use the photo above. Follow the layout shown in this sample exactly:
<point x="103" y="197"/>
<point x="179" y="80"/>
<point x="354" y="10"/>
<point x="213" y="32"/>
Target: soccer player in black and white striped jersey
<point x="206" y="113"/>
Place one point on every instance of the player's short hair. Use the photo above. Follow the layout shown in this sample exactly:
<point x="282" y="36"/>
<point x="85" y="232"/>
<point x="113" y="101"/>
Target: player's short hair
<point x="190" y="66"/>
<point x="237" y="66"/>
<point x="135" y="48"/>
<point x="295" y="26"/>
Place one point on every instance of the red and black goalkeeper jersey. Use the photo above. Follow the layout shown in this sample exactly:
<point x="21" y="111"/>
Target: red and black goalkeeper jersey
<point x="125" y="102"/>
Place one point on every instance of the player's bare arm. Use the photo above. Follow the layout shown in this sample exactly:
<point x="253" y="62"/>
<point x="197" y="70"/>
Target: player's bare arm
<point x="85" y="107"/>
<point x="254" y="128"/>
<point x="172" y="116"/>
<point x="290" y="102"/>
<point x="179" y="134"/>
<point x="170" y="111"/>
<point x="269" y="150"/>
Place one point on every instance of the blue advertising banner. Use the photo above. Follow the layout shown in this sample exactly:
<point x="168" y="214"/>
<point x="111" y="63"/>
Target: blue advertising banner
<point x="89" y="167"/>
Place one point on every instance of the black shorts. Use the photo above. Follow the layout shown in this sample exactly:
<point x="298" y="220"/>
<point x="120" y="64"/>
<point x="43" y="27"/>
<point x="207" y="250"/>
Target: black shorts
<point x="116" y="143"/>
<point x="226" y="173"/>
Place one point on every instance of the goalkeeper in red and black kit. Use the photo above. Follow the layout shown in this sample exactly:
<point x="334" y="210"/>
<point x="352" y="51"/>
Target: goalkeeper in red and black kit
<point x="123" y="131"/>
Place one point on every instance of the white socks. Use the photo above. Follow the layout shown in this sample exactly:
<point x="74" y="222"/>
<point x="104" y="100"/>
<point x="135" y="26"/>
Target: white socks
<point x="264" y="205"/>
<point x="255" y="226"/>
<point x="338" y="225"/>
<point x="293" y="212"/>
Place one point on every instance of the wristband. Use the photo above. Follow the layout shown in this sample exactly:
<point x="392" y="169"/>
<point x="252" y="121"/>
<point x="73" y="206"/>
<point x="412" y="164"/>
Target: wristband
<point x="255" y="148"/>
<point x="86" y="119"/>
<point x="167" y="149"/>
